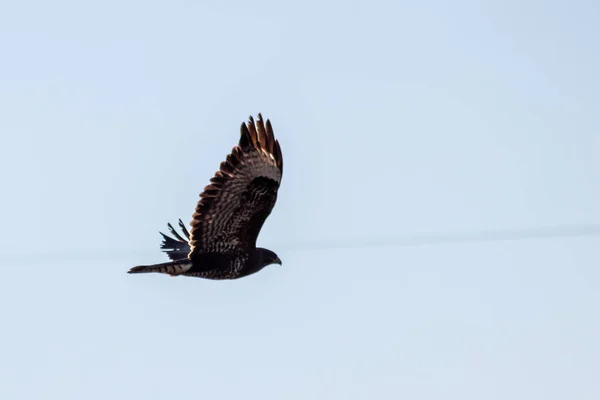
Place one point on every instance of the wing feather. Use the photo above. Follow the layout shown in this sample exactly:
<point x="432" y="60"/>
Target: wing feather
<point x="176" y="249"/>
<point x="174" y="233"/>
<point x="242" y="193"/>
<point x="184" y="229"/>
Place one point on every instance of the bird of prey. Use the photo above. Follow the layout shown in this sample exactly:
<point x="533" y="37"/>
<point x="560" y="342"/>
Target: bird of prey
<point x="230" y="213"/>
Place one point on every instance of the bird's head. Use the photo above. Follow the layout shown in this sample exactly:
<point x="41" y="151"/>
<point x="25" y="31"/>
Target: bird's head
<point x="267" y="257"/>
<point x="260" y="259"/>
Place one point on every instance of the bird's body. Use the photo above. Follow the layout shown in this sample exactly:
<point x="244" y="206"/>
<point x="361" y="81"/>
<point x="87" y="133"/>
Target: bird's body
<point x="230" y="213"/>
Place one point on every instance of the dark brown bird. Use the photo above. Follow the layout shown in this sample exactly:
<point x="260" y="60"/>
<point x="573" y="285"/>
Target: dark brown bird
<point x="230" y="213"/>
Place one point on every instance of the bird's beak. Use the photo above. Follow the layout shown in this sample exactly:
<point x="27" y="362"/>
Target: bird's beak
<point x="277" y="261"/>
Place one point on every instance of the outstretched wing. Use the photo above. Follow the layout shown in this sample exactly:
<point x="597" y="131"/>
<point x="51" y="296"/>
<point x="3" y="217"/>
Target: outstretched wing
<point x="177" y="248"/>
<point x="232" y="209"/>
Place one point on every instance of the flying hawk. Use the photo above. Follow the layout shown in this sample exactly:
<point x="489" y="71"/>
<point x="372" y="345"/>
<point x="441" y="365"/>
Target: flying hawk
<point x="230" y="213"/>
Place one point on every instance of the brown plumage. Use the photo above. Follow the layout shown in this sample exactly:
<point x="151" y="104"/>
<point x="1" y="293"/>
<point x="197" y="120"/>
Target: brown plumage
<point x="230" y="213"/>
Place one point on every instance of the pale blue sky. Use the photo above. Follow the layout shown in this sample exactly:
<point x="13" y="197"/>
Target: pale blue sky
<point x="396" y="119"/>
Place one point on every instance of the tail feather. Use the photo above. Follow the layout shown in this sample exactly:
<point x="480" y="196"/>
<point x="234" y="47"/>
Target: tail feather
<point x="172" y="268"/>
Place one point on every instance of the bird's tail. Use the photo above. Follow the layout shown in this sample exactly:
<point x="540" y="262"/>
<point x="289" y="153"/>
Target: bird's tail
<point x="172" y="268"/>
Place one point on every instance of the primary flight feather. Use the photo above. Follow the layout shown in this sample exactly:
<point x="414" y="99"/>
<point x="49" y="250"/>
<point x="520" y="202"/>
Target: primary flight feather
<point x="232" y="209"/>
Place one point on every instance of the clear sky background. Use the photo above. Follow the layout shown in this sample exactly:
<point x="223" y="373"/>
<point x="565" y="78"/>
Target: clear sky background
<point x="397" y="120"/>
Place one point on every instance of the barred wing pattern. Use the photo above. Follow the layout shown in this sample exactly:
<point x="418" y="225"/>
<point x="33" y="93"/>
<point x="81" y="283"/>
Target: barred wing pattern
<point x="234" y="206"/>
